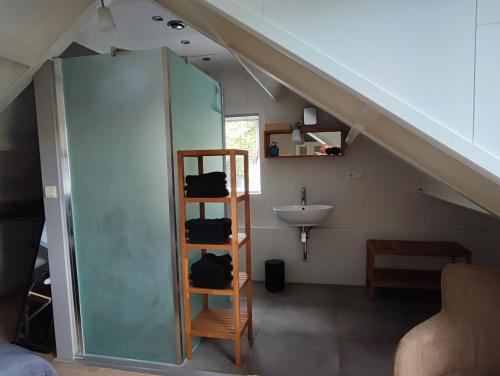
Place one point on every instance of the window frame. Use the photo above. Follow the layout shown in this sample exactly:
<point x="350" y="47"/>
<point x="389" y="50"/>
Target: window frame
<point x="242" y="117"/>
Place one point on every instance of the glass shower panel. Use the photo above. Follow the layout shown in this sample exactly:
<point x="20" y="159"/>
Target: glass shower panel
<point x="121" y="191"/>
<point x="196" y="118"/>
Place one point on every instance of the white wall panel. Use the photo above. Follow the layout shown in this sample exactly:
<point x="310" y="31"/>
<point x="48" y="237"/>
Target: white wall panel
<point x="255" y="6"/>
<point x="487" y="110"/>
<point x="421" y="52"/>
<point x="488" y="11"/>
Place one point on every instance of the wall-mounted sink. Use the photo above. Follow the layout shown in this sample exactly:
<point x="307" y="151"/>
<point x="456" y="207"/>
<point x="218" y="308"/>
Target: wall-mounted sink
<point x="303" y="215"/>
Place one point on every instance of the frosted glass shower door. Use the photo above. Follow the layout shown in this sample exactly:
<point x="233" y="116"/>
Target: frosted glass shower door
<point x="197" y="123"/>
<point x="121" y="190"/>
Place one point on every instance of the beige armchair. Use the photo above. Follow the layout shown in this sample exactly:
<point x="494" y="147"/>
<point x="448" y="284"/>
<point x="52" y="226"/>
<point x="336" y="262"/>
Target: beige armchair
<point x="464" y="338"/>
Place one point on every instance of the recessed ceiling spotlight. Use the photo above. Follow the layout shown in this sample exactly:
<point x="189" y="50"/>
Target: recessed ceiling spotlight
<point x="185" y="41"/>
<point x="176" y="24"/>
<point x="206" y="59"/>
<point x="157" y="18"/>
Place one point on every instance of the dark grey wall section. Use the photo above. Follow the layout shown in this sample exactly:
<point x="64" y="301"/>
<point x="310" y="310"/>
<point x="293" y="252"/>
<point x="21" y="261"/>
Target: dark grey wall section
<point x="20" y="177"/>
<point x="76" y="50"/>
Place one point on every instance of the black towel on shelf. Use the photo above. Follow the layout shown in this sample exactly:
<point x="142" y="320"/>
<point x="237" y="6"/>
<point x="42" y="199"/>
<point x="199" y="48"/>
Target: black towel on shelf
<point x="203" y="267"/>
<point x="209" y="231"/>
<point x="212" y="184"/>
<point x="208" y="191"/>
<point x="212" y="271"/>
<point x="212" y="283"/>
<point x="216" y="177"/>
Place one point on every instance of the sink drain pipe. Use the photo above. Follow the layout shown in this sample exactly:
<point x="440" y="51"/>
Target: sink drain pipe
<point x="304" y="236"/>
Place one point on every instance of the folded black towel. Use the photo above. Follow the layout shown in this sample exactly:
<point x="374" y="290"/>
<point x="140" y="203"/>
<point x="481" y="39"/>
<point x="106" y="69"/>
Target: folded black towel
<point x="212" y="271"/>
<point x="216" y="177"/>
<point x="212" y="184"/>
<point x="208" y="191"/>
<point x="209" y="261"/>
<point x="211" y="231"/>
<point x="214" y="283"/>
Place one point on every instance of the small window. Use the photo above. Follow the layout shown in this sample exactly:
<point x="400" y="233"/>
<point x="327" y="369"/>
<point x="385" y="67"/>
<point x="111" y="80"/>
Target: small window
<point x="242" y="132"/>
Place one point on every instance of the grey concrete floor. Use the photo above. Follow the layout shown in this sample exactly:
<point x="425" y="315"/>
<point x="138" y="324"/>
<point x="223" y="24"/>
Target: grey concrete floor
<point x="321" y="330"/>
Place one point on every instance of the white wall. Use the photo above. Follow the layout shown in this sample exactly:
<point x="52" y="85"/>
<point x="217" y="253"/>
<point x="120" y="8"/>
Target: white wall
<point x="378" y="40"/>
<point x="385" y="203"/>
<point x="487" y="110"/>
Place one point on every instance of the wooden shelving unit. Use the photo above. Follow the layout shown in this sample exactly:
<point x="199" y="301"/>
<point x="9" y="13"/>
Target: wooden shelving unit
<point x="408" y="278"/>
<point x="218" y="323"/>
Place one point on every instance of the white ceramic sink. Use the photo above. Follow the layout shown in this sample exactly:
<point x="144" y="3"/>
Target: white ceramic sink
<point x="303" y="215"/>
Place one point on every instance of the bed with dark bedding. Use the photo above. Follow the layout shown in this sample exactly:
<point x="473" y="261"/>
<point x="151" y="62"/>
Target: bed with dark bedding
<point x="17" y="361"/>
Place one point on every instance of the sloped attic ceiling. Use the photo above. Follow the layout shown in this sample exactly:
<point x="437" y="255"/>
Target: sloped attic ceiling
<point x="32" y="31"/>
<point x="475" y="178"/>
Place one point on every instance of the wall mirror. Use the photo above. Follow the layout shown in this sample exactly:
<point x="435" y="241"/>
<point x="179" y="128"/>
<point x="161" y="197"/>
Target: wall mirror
<point x="305" y="142"/>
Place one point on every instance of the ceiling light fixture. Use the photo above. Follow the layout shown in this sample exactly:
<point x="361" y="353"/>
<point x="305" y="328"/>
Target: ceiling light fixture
<point x="105" y="18"/>
<point x="185" y="41"/>
<point x="176" y="24"/>
<point x="157" y="18"/>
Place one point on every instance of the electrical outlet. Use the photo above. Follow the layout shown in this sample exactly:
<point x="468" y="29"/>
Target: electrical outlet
<point x="352" y="175"/>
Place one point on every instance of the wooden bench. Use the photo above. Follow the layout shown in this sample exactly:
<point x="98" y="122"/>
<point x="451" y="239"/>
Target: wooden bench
<point x="405" y="278"/>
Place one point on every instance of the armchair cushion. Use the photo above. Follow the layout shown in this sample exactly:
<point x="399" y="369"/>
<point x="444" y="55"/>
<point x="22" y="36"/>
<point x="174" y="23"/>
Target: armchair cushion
<point x="464" y="338"/>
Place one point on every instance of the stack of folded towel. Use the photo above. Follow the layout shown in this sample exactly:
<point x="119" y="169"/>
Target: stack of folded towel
<point x="211" y="231"/>
<point x="212" y="272"/>
<point x="212" y="184"/>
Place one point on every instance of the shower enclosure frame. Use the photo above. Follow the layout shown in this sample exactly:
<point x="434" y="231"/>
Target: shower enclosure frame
<point x="65" y="181"/>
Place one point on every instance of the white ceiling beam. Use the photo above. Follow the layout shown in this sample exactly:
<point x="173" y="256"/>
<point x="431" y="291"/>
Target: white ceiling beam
<point x="16" y="50"/>
<point x="351" y="136"/>
<point x="58" y="47"/>
<point x="436" y="189"/>
<point x="250" y="68"/>
<point x="365" y="118"/>
<point x="255" y="75"/>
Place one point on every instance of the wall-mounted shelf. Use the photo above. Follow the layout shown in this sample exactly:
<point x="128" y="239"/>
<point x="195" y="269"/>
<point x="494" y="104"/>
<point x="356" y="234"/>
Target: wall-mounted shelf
<point x="288" y="151"/>
<point x="218" y="323"/>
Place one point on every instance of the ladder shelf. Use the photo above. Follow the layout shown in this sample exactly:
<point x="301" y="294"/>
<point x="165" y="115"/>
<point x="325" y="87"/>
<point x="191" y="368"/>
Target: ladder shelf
<point x="218" y="323"/>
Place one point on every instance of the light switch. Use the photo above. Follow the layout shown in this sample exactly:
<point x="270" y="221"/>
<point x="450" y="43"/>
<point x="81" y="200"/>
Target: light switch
<point x="50" y="191"/>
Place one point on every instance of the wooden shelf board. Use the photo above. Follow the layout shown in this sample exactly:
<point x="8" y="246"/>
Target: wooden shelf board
<point x="406" y="278"/>
<point x="418" y="248"/>
<point x="210" y="152"/>
<point x="304" y="129"/>
<point x="217" y="323"/>
<point x="242" y="238"/>
<point x="240" y="196"/>
<point x="242" y="282"/>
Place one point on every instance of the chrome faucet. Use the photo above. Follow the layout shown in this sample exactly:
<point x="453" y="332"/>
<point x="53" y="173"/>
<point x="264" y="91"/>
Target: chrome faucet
<point x="303" y="194"/>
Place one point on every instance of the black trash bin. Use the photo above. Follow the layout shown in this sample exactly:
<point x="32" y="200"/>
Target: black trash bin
<point x="275" y="275"/>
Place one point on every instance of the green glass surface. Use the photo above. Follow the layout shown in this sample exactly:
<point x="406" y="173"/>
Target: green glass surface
<point x="118" y="154"/>
<point x="196" y="118"/>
